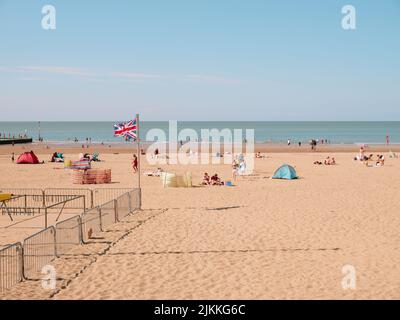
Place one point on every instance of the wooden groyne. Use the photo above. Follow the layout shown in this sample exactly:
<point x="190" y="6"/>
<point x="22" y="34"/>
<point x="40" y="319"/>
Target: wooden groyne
<point x="15" y="140"/>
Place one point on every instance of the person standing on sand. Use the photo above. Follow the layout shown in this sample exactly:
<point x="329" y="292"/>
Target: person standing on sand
<point x="313" y="144"/>
<point x="12" y="157"/>
<point x="235" y="168"/>
<point x="135" y="163"/>
<point x="387" y="139"/>
<point x="362" y="153"/>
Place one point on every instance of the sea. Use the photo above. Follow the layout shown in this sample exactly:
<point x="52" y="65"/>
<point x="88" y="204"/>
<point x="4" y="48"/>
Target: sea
<point x="350" y="132"/>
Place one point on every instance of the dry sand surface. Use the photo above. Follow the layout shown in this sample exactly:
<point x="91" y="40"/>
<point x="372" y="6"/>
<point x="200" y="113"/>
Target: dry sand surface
<point x="262" y="239"/>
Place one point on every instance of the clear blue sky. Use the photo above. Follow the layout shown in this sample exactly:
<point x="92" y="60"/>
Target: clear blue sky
<point x="200" y="60"/>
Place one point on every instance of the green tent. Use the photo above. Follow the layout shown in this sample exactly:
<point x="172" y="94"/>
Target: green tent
<point x="285" y="172"/>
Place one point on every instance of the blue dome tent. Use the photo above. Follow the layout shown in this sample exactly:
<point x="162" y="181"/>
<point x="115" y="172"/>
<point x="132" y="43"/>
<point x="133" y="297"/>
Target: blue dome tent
<point x="285" y="172"/>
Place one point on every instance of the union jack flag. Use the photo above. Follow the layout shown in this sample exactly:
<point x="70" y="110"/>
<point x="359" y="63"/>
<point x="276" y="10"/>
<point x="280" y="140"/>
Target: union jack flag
<point x="128" y="130"/>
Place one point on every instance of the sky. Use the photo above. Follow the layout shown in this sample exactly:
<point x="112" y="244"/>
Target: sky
<point x="284" y="60"/>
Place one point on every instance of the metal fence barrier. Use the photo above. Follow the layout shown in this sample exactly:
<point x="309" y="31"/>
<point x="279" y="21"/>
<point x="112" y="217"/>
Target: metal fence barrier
<point x="11" y="266"/>
<point x="19" y="261"/>
<point x="103" y="195"/>
<point x="135" y="200"/>
<point x="39" y="250"/>
<point x="108" y="213"/>
<point x="55" y="195"/>
<point x="30" y="197"/>
<point x="91" y="224"/>
<point x="68" y="234"/>
<point x="47" y="197"/>
<point x="123" y="206"/>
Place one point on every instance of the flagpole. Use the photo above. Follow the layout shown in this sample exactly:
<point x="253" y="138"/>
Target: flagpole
<point x="138" y="156"/>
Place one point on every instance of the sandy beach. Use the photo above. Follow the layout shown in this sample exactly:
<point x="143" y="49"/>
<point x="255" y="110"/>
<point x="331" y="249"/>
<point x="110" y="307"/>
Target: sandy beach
<point x="261" y="239"/>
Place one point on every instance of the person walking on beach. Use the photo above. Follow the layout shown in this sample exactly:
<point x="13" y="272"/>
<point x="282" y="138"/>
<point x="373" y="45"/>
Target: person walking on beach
<point x="313" y="144"/>
<point x="135" y="163"/>
<point x="12" y="157"/>
<point x="387" y="139"/>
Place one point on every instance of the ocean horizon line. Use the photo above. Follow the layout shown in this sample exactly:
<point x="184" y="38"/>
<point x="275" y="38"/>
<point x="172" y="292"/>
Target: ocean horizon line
<point x="198" y="121"/>
<point x="264" y="131"/>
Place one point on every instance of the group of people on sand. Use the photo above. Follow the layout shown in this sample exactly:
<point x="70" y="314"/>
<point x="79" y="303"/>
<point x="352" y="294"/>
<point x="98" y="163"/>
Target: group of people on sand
<point x="328" y="161"/>
<point x="212" y="181"/>
<point x="379" y="161"/>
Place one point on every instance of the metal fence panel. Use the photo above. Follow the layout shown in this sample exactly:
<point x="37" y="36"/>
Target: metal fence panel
<point x="68" y="234"/>
<point x="39" y="250"/>
<point x="123" y="205"/>
<point x="108" y="214"/>
<point x="11" y="268"/>
<point x="91" y="223"/>
<point x="135" y="199"/>
<point x="32" y="198"/>
<point x="103" y="195"/>
<point x="55" y="195"/>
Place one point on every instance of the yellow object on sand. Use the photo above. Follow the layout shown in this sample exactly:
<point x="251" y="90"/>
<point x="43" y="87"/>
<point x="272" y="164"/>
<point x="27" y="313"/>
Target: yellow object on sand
<point x="5" y="196"/>
<point x="67" y="163"/>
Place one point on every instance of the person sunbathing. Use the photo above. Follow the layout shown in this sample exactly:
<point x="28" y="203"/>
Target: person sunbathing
<point x="333" y="161"/>
<point x="57" y="157"/>
<point x="54" y="157"/>
<point x="327" y="161"/>
<point x="206" y="180"/>
<point x="381" y="160"/>
<point x="318" y="162"/>
<point x="216" y="181"/>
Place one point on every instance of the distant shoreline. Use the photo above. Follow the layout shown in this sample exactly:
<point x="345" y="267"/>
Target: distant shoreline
<point x="264" y="132"/>
<point x="126" y="148"/>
